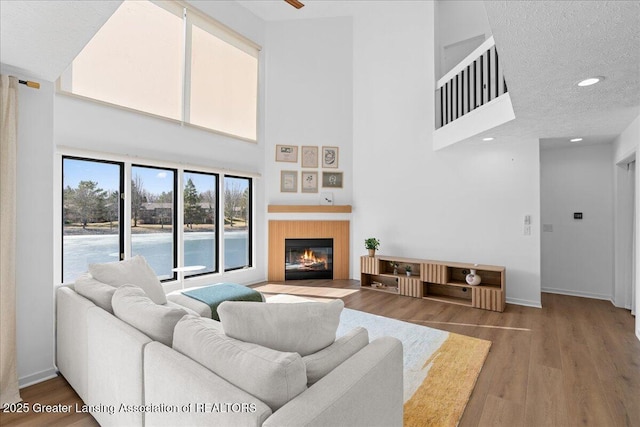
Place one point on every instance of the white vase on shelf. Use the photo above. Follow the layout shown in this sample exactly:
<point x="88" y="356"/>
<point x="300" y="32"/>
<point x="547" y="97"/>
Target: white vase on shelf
<point x="473" y="279"/>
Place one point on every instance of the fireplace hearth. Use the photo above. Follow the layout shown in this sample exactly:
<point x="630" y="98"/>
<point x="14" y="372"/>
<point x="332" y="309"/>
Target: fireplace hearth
<point x="308" y="259"/>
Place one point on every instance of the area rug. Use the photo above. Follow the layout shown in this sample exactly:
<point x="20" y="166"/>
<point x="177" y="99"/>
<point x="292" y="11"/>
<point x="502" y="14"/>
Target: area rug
<point x="440" y="368"/>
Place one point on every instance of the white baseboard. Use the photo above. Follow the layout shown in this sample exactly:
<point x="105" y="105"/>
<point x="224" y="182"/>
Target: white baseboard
<point x="578" y="294"/>
<point x="525" y="302"/>
<point x="38" y="377"/>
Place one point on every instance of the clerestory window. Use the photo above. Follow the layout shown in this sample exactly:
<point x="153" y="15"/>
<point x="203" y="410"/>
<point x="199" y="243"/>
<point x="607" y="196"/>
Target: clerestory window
<point x="166" y="59"/>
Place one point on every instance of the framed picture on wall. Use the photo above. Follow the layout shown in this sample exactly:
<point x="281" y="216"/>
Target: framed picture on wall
<point x="330" y="157"/>
<point x="289" y="181"/>
<point x="287" y="153"/>
<point x="332" y="179"/>
<point x="309" y="156"/>
<point x="309" y="182"/>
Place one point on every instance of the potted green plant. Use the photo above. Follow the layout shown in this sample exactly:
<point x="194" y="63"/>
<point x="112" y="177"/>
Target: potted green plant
<point x="372" y="244"/>
<point x="407" y="269"/>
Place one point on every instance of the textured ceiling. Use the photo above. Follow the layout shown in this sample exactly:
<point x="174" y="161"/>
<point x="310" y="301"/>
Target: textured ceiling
<point x="41" y="38"/>
<point x="547" y="47"/>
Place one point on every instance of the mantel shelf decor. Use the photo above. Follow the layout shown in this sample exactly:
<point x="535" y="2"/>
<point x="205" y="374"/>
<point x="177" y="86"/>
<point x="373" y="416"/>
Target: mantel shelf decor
<point x="309" y="208"/>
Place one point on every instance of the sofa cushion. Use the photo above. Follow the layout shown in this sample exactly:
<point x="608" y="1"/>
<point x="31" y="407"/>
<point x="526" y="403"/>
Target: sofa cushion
<point x="326" y="360"/>
<point x="95" y="291"/>
<point x="187" y="309"/>
<point x="272" y="376"/>
<point x="302" y="328"/>
<point x="133" y="271"/>
<point x="133" y="306"/>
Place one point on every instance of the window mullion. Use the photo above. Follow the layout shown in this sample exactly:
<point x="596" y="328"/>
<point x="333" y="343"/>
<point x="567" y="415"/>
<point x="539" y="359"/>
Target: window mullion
<point x="186" y="69"/>
<point x="180" y="217"/>
<point x="221" y="227"/>
<point x="127" y="210"/>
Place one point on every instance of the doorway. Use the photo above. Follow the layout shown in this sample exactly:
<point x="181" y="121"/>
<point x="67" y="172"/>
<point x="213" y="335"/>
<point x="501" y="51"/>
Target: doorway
<point x="625" y="283"/>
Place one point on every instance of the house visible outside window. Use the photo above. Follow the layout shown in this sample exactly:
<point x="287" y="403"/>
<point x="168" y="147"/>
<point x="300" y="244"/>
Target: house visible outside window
<point x="200" y="194"/>
<point x="237" y="218"/>
<point x="92" y="231"/>
<point x="153" y="192"/>
<point x="168" y="60"/>
<point x="95" y="199"/>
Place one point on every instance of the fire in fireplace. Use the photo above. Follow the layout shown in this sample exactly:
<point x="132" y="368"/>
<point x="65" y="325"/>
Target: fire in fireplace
<point x="308" y="259"/>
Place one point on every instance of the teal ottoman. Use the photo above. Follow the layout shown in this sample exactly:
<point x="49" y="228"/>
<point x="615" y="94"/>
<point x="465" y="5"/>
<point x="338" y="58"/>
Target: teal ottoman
<point x="214" y="295"/>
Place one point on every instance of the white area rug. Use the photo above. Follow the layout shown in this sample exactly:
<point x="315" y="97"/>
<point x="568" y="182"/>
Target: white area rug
<point x="440" y="368"/>
<point x="419" y="342"/>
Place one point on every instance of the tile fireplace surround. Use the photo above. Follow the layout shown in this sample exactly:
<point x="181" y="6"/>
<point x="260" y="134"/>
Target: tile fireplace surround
<point x="294" y="229"/>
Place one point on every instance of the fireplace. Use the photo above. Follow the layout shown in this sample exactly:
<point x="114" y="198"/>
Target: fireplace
<point x="308" y="259"/>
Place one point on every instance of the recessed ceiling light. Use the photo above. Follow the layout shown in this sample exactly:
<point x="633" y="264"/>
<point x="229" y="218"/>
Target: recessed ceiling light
<point x="575" y="140"/>
<point x="590" y="81"/>
<point x="490" y="138"/>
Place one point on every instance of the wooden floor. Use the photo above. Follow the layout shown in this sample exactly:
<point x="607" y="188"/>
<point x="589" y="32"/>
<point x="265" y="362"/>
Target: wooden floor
<point x="574" y="362"/>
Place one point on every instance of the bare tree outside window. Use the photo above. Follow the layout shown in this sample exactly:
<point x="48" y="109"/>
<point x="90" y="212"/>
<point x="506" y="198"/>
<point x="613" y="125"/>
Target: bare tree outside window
<point x="90" y="215"/>
<point x="200" y="231"/>
<point x="237" y="207"/>
<point x="137" y="198"/>
<point x="233" y="202"/>
<point x="152" y="217"/>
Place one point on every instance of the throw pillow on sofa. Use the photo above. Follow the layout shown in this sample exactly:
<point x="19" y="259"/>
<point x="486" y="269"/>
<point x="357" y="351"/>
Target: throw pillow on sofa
<point x="326" y="360"/>
<point x="303" y="328"/>
<point x="133" y="271"/>
<point x="97" y="292"/>
<point x="272" y="376"/>
<point x="133" y="306"/>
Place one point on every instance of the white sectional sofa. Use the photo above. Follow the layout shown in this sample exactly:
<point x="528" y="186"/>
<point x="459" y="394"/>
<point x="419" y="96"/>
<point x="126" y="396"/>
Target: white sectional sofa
<point x="126" y="378"/>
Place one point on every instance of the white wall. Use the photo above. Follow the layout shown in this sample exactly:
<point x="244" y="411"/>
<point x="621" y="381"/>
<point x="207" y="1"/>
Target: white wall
<point x="34" y="263"/>
<point x="310" y="91"/>
<point x="456" y="21"/>
<point x="464" y="203"/>
<point x="626" y="146"/>
<point x="577" y="256"/>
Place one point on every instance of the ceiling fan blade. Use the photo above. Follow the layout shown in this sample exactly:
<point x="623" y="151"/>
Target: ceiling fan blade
<point x="295" y="3"/>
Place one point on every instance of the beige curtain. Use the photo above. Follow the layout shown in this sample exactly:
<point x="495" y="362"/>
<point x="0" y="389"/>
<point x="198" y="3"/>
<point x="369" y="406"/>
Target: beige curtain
<point x="9" y="391"/>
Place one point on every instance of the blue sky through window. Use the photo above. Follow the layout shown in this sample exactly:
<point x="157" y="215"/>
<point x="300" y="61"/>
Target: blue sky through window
<point x="107" y="175"/>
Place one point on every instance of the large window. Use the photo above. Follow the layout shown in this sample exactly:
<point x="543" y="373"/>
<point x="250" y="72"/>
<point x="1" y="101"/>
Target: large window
<point x="94" y="229"/>
<point x="135" y="61"/>
<point x="200" y="196"/>
<point x="164" y="59"/>
<point x="153" y="217"/>
<point x="224" y="84"/>
<point x="237" y="222"/>
<point x="91" y="212"/>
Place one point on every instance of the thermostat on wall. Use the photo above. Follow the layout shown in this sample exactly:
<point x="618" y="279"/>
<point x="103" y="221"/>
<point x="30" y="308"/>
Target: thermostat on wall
<point x="326" y="198"/>
<point x="577" y="215"/>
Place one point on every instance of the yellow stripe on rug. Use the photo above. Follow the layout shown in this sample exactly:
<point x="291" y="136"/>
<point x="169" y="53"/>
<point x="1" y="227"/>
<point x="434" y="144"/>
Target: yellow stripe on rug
<point x="441" y="398"/>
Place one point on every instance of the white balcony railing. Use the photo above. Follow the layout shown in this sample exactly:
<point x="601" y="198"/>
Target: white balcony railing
<point x="475" y="81"/>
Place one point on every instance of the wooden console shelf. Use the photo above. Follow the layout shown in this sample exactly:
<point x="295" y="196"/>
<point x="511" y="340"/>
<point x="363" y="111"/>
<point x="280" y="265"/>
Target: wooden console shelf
<point x="309" y="208"/>
<point x="435" y="280"/>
